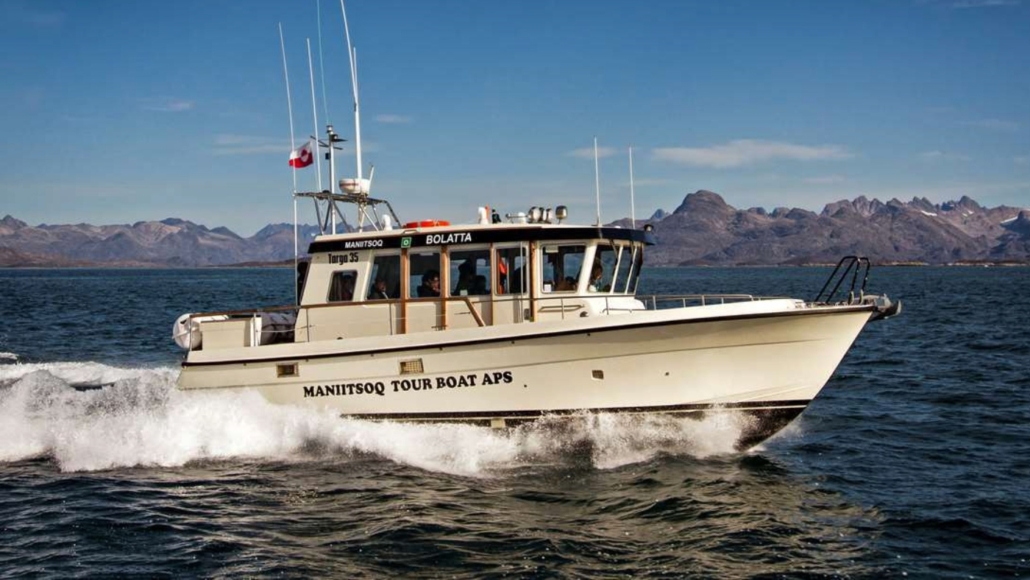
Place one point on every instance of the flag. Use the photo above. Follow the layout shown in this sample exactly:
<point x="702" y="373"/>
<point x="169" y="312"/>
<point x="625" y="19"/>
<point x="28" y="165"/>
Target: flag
<point x="302" y="156"/>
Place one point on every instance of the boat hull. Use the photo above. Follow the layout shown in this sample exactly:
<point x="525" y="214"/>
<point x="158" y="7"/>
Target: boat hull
<point x="764" y="366"/>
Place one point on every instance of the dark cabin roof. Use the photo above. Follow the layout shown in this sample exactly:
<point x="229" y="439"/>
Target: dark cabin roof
<point x="473" y="234"/>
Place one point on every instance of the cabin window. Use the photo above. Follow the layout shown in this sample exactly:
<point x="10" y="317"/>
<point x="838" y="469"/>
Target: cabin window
<point x="385" y="278"/>
<point x="561" y="267"/>
<point x="634" y="276"/>
<point x="470" y="272"/>
<point x="341" y="286"/>
<point x="302" y="278"/>
<point x="621" y="283"/>
<point x="424" y="281"/>
<point x="511" y="269"/>
<point x="602" y="271"/>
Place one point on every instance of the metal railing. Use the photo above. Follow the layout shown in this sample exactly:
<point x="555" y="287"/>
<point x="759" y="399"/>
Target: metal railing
<point x="386" y="317"/>
<point x="848" y="267"/>
<point x="665" y="302"/>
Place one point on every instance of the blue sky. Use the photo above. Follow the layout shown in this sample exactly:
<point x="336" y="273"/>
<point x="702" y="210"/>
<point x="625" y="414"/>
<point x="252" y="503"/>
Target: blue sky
<point x="115" y="111"/>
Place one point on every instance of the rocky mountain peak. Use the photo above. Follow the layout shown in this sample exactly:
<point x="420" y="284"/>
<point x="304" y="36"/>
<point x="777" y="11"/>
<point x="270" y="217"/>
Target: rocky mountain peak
<point x="658" y="215"/>
<point x="703" y="201"/>
<point x="1020" y="225"/>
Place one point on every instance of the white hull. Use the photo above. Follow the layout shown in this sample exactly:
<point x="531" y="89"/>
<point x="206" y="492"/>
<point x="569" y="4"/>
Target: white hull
<point x="764" y="358"/>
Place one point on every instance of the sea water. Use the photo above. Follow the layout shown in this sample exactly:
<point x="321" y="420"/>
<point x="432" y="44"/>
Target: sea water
<point x="913" y="461"/>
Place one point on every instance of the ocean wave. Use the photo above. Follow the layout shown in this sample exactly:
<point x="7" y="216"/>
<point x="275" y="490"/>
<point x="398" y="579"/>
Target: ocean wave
<point x="140" y="419"/>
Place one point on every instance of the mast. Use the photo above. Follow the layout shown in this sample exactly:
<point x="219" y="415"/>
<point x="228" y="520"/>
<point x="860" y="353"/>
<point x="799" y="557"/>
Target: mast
<point x="332" y="138"/>
<point x="314" y="112"/>
<point x="289" y="101"/>
<point x="597" y="182"/>
<point x="358" y="187"/>
<point x="353" y="55"/>
<point x="632" y="202"/>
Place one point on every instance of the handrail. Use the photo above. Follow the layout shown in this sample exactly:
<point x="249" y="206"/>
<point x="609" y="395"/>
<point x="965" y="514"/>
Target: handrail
<point x="853" y="266"/>
<point x="564" y="306"/>
<point x="653" y="300"/>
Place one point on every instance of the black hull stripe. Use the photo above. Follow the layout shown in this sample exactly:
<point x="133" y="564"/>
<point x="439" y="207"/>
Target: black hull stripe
<point x="441" y="345"/>
<point x="767" y="418"/>
<point x="536" y="414"/>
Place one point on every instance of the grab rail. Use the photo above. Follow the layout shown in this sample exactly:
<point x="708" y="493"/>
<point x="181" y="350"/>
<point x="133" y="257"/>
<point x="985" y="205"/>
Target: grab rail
<point x="848" y="265"/>
<point x="263" y="330"/>
<point x="685" y="300"/>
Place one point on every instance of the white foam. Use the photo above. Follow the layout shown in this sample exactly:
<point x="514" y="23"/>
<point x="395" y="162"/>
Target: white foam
<point x="8" y="356"/>
<point x="142" y="420"/>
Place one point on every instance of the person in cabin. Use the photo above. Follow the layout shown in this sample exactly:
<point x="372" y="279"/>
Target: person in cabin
<point x="518" y="285"/>
<point x="479" y="288"/>
<point x="430" y="287"/>
<point x="347" y="294"/>
<point x="379" y="290"/>
<point x="341" y="288"/>
<point x="466" y="278"/>
<point x="596" y="274"/>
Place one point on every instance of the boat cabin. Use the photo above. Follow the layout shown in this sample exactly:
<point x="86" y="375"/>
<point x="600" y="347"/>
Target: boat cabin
<point x="432" y="276"/>
<point x="438" y="277"/>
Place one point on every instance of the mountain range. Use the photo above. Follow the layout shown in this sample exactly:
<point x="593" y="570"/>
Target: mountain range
<point x="167" y="243"/>
<point x="703" y="230"/>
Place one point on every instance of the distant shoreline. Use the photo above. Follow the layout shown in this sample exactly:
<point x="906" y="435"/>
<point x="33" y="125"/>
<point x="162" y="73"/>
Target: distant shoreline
<point x="289" y="265"/>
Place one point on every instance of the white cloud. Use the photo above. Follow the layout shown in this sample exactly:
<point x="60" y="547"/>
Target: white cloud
<point x="942" y="156"/>
<point x="824" y="179"/>
<point x="960" y="4"/>
<point x="588" y="152"/>
<point x="227" y="144"/>
<point x="393" y="119"/>
<point x="167" y="104"/>
<point x="749" y="152"/>
<point x="994" y="125"/>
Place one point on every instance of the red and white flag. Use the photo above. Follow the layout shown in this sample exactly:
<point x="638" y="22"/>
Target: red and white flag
<point x="302" y="157"/>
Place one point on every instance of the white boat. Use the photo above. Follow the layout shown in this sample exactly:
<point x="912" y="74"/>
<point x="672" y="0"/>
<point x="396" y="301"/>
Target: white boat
<point x="523" y="326"/>
<point x="507" y="320"/>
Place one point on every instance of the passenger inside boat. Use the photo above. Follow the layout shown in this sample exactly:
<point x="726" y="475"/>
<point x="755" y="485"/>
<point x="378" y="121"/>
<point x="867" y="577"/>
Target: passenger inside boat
<point x="466" y="278"/>
<point x="430" y="287"/>
<point x="386" y="276"/>
<point x="379" y="291"/>
<point x="480" y="286"/>
<point x="561" y="267"/>
<point x="342" y="287"/>
<point x="596" y="274"/>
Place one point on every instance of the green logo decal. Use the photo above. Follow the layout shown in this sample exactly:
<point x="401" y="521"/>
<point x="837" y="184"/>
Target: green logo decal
<point x="405" y="242"/>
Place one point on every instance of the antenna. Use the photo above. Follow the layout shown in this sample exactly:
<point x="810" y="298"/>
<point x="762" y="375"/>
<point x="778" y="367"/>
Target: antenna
<point x="314" y="112"/>
<point x="289" y="101"/>
<point x="597" y="181"/>
<point x="632" y="203"/>
<point x="352" y="53"/>
<point x="321" y="62"/>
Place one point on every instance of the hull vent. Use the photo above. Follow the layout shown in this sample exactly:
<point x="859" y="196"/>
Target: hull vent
<point x="412" y="367"/>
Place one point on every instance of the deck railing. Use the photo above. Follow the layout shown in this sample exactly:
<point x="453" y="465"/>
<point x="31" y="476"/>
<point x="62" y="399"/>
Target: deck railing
<point x="387" y="316"/>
